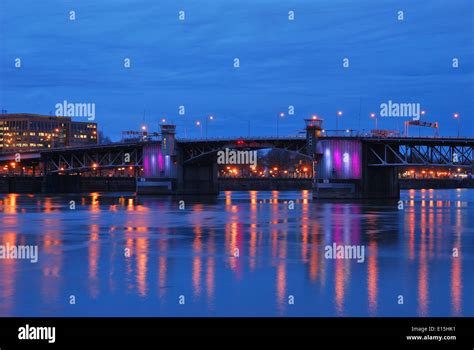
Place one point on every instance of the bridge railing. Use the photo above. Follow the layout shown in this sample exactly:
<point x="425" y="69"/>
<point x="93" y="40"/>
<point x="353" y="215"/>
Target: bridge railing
<point x="244" y="138"/>
<point x="341" y="133"/>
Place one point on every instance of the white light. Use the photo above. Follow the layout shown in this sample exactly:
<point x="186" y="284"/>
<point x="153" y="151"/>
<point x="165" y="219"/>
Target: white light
<point x="345" y="157"/>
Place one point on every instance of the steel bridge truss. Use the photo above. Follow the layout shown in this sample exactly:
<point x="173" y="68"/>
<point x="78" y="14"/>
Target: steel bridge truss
<point x="92" y="159"/>
<point x="427" y="154"/>
<point x="194" y="151"/>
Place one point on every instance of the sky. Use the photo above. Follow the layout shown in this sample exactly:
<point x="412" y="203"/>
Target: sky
<point x="283" y="62"/>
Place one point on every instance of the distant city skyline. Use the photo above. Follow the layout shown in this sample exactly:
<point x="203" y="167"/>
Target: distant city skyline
<point x="140" y="64"/>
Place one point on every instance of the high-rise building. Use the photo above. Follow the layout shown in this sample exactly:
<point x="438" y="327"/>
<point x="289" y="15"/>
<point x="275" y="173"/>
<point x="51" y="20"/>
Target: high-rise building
<point x="25" y="132"/>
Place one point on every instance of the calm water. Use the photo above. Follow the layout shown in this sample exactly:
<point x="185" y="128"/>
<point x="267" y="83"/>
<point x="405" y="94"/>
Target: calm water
<point x="281" y="256"/>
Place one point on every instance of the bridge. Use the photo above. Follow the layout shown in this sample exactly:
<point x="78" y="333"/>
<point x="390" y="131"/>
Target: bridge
<point x="344" y="166"/>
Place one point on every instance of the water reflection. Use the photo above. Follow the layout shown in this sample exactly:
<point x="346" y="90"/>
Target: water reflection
<point x="244" y="254"/>
<point x="8" y="277"/>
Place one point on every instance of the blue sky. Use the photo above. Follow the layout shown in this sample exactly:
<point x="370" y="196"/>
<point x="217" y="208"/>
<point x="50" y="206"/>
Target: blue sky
<point x="282" y="62"/>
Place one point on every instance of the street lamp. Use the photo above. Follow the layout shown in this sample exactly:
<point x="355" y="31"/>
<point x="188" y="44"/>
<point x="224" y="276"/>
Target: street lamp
<point x="279" y="115"/>
<point x="210" y="117"/>
<point x="374" y="116"/>
<point x="198" y="123"/>
<point x="456" y="116"/>
<point x="144" y="133"/>
<point x="339" y="114"/>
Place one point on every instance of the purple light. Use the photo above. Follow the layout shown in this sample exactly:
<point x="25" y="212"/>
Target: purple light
<point x="341" y="156"/>
<point x="160" y="161"/>
<point x="152" y="160"/>
<point x="356" y="165"/>
<point x="337" y="157"/>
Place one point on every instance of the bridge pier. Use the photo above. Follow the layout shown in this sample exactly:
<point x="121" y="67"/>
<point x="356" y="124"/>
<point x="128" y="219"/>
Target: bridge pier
<point x="160" y="166"/>
<point x="344" y="171"/>
<point x="379" y="182"/>
<point x="198" y="178"/>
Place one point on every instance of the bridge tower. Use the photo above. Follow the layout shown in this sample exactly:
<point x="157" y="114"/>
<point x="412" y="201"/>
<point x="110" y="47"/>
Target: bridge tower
<point x="159" y="164"/>
<point x="314" y="127"/>
<point x="168" y="139"/>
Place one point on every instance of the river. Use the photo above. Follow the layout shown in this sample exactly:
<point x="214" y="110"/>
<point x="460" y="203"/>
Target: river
<point x="240" y="254"/>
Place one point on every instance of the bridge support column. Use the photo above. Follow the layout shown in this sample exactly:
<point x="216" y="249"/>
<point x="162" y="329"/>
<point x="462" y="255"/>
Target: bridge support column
<point x="379" y="182"/>
<point x="199" y="178"/>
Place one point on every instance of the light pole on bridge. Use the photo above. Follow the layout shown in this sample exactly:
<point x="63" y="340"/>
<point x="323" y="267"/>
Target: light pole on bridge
<point x="279" y="115"/>
<point x="374" y="116"/>
<point x="339" y="114"/>
<point x="198" y="123"/>
<point x="456" y="116"/>
<point x="209" y="117"/>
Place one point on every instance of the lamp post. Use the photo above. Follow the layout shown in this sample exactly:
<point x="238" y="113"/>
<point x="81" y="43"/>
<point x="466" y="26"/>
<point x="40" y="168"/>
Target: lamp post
<point x="374" y="116"/>
<point x="456" y="116"/>
<point x="279" y="115"/>
<point x="144" y="133"/>
<point x="209" y="117"/>
<point x="339" y="114"/>
<point x="198" y="123"/>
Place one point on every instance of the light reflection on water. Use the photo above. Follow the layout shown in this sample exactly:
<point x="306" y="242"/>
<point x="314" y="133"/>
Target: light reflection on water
<point x="244" y="253"/>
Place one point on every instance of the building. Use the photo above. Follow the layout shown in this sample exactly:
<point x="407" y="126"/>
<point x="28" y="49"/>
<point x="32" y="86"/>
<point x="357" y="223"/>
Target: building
<point x="26" y="132"/>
